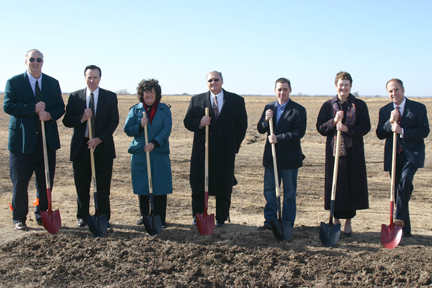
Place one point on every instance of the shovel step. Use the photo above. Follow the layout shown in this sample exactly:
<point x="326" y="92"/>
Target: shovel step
<point x="391" y="235"/>
<point x="282" y="229"/>
<point x="329" y="234"/>
<point x="98" y="225"/>
<point x="52" y="223"/>
<point x="205" y="223"/>
<point x="153" y="224"/>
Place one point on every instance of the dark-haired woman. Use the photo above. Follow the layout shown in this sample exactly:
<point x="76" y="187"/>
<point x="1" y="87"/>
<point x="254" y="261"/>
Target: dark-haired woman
<point x="159" y="122"/>
<point x="351" y="190"/>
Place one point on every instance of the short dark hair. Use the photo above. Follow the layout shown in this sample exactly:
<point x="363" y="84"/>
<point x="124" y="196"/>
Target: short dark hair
<point x="283" y="80"/>
<point x="343" y="76"/>
<point x="148" y="85"/>
<point x="93" y="67"/>
<point x="395" y="80"/>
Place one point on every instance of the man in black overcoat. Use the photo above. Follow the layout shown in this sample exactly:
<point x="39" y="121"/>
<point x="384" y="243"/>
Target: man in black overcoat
<point x="410" y="122"/>
<point x="227" y="128"/>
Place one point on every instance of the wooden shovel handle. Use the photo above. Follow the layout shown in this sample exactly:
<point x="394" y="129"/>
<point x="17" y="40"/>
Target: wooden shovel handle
<point x="273" y="148"/>
<point x="206" y="162"/>
<point x="92" y="161"/>
<point x="46" y="164"/>
<point x="148" y="159"/>
<point x="336" y="165"/>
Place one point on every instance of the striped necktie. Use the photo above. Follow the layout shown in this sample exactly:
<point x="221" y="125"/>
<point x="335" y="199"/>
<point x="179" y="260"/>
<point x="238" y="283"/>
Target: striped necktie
<point x="38" y="92"/>
<point x="93" y="118"/>
<point x="399" y="150"/>
<point x="216" y="107"/>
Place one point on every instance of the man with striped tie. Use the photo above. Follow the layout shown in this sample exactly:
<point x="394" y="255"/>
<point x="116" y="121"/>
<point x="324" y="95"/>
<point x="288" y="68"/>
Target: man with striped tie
<point x="227" y="128"/>
<point x="31" y="99"/>
<point x="100" y="107"/>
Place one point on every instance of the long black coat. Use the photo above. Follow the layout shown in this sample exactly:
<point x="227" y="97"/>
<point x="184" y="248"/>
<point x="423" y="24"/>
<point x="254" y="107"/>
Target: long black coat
<point x="225" y="137"/>
<point x="351" y="189"/>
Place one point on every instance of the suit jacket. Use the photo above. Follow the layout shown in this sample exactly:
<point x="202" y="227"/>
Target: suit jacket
<point x="226" y="134"/>
<point x="415" y="123"/>
<point x="107" y="119"/>
<point x="19" y="103"/>
<point x="289" y="130"/>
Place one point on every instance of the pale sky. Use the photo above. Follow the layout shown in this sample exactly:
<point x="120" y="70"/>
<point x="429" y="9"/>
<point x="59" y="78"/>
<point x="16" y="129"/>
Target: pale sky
<point x="251" y="42"/>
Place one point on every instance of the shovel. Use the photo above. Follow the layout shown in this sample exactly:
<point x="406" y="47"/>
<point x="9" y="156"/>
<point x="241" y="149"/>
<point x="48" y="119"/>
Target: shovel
<point x="205" y="222"/>
<point x="282" y="229"/>
<point x="152" y="223"/>
<point x="329" y="233"/>
<point x="98" y="224"/>
<point x="50" y="219"/>
<point x="391" y="235"/>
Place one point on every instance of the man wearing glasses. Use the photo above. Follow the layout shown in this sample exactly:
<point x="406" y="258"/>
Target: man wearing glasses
<point x="227" y="128"/>
<point x="31" y="99"/>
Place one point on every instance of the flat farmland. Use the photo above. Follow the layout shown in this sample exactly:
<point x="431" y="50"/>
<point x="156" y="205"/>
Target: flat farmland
<point x="234" y="256"/>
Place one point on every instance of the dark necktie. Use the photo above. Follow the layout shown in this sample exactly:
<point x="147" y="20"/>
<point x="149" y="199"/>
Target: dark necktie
<point x="93" y="118"/>
<point x="38" y="92"/>
<point x="398" y="121"/>
<point x="215" y="107"/>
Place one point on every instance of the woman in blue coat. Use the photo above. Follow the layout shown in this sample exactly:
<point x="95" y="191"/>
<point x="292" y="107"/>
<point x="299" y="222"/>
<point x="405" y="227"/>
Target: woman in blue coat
<point x="159" y="123"/>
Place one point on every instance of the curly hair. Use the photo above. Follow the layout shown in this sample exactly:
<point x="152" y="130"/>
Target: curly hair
<point x="148" y="85"/>
<point x="343" y="76"/>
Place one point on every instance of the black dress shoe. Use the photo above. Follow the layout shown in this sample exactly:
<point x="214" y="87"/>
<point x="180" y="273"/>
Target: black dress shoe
<point x="140" y="221"/>
<point x="81" y="222"/>
<point x="264" y="227"/>
<point x="39" y="221"/>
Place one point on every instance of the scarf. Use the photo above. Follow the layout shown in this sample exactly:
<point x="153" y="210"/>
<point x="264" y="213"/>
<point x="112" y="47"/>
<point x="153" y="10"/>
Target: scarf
<point x="151" y="110"/>
<point x="350" y="117"/>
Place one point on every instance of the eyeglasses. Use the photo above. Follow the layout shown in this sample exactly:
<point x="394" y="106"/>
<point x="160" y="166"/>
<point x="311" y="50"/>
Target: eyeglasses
<point x="213" y="80"/>
<point x="37" y="59"/>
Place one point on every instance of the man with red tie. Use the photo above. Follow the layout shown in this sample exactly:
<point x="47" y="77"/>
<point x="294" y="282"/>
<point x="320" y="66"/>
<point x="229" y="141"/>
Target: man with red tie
<point x="410" y="122"/>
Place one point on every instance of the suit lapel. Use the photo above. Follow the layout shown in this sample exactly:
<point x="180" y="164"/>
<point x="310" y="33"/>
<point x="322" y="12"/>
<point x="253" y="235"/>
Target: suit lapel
<point x="285" y="114"/>
<point x="28" y="90"/>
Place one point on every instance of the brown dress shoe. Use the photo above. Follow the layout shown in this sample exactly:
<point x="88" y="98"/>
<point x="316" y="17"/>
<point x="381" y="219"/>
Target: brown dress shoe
<point x="398" y="222"/>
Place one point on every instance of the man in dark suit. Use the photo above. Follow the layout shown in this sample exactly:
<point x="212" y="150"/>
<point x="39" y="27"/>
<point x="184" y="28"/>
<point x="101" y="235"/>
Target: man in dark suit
<point x="31" y="99"/>
<point x="227" y="128"/>
<point x="106" y="119"/>
<point x="409" y="120"/>
<point x="289" y="122"/>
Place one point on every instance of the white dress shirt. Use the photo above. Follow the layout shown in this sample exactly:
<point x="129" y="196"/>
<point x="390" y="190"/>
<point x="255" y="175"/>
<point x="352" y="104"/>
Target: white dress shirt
<point x="33" y="82"/>
<point x="95" y="98"/>
<point x="220" y="99"/>
<point x="401" y="111"/>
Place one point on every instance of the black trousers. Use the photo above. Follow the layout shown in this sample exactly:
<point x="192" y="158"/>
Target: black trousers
<point x="83" y="181"/>
<point x="159" y="205"/>
<point x="21" y="168"/>
<point x="223" y="204"/>
<point x="405" y="172"/>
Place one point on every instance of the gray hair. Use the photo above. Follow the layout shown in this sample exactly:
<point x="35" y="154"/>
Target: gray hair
<point x="28" y="52"/>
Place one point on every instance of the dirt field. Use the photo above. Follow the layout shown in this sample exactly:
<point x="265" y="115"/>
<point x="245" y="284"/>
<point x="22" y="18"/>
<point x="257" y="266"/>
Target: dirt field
<point x="234" y="256"/>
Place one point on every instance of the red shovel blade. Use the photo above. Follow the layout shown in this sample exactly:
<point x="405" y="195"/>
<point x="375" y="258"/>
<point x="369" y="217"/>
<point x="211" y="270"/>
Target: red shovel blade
<point x="391" y="235"/>
<point x="51" y="220"/>
<point x="205" y="223"/>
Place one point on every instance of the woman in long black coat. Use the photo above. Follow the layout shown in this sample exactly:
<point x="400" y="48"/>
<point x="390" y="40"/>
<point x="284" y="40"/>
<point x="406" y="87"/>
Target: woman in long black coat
<point x="351" y="190"/>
